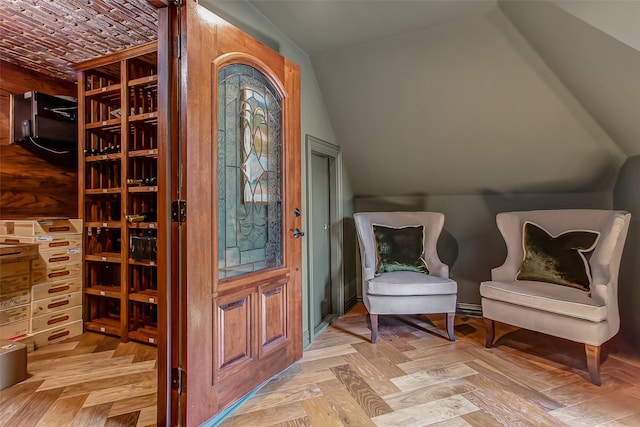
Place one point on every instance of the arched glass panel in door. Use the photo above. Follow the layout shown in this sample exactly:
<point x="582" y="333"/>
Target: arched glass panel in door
<point x="249" y="171"/>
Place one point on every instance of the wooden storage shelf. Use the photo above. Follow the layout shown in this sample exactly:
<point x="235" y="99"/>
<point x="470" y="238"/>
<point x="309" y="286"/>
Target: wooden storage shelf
<point x="103" y="224"/>
<point x="143" y="189"/>
<point x="106" y="325"/>
<point x="104" y="257"/>
<point x="118" y="123"/>
<point x="144" y="81"/>
<point x="145" y="263"/>
<point x="152" y="153"/>
<point x="151" y="117"/>
<point x="149" y="296"/>
<point x="144" y="225"/>
<point x="116" y="190"/>
<point x="145" y="334"/>
<point x="104" y="124"/>
<point x="103" y="157"/>
<point x="104" y="92"/>
<point x="104" y="291"/>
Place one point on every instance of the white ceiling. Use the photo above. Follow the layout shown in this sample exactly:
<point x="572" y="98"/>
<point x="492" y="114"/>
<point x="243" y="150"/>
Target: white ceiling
<point x="320" y="26"/>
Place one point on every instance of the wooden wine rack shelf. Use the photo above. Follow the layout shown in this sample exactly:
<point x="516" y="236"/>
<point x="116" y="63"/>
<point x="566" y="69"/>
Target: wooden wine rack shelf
<point x="118" y="117"/>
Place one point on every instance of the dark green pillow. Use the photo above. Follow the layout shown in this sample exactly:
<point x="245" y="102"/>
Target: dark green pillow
<point x="399" y="249"/>
<point x="560" y="260"/>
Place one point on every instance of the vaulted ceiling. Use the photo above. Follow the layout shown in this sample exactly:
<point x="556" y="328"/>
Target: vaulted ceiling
<point x="446" y="97"/>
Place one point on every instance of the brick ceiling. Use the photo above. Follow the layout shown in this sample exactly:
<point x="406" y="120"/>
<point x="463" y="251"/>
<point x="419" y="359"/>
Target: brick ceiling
<point x="49" y="36"/>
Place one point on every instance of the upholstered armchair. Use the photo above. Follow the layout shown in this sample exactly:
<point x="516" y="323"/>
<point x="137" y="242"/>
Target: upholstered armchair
<point x="560" y="277"/>
<point x="401" y="271"/>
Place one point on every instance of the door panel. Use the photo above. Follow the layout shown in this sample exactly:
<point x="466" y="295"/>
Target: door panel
<point x="232" y="342"/>
<point x="242" y="269"/>
<point x="273" y="318"/>
<point x="321" y="235"/>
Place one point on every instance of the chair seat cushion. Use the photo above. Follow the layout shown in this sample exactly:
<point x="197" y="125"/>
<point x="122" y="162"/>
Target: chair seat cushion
<point x="546" y="297"/>
<point x="410" y="283"/>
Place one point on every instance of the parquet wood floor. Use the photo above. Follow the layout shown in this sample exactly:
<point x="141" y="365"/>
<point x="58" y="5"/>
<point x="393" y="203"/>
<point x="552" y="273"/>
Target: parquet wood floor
<point x="413" y="376"/>
<point x="90" y="380"/>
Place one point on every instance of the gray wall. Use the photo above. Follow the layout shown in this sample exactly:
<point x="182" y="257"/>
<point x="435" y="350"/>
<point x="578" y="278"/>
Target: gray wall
<point x="626" y="196"/>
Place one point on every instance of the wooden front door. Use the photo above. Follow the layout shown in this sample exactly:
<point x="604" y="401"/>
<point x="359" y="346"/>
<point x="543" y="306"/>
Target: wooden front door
<point x="241" y="270"/>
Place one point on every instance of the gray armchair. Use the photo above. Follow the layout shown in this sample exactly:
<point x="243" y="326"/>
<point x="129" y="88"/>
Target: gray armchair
<point x="582" y="312"/>
<point x="394" y="290"/>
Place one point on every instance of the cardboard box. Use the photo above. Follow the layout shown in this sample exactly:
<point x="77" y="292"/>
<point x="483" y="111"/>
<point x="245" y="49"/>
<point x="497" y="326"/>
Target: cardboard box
<point x="57" y="303"/>
<point x="13" y="363"/>
<point x="55" y="319"/>
<point x="41" y="227"/>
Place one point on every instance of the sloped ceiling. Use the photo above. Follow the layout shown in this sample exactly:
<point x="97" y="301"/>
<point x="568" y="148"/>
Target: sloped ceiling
<point x="596" y="59"/>
<point x="463" y="104"/>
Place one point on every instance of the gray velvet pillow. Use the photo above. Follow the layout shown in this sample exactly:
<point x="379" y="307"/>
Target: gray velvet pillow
<point x="399" y="249"/>
<point x="561" y="259"/>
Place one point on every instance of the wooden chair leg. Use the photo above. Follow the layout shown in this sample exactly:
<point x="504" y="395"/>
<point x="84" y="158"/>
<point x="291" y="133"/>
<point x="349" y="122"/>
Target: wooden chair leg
<point x="451" y="317"/>
<point x="593" y="362"/>
<point x="374" y="327"/>
<point x="490" y="328"/>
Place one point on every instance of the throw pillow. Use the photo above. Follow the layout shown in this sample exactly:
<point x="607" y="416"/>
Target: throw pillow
<point x="560" y="259"/>
<point x="399" y="249"/>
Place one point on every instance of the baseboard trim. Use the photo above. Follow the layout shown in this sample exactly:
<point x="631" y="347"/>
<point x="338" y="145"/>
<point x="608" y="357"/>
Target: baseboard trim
<point x="469" y="309"/>
<point x="228" y="411"/>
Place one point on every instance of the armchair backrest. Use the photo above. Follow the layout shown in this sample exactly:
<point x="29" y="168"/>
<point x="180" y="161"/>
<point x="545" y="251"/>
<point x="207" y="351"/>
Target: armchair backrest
<point x="605" y="260"/>
<point x="432" y="221"/>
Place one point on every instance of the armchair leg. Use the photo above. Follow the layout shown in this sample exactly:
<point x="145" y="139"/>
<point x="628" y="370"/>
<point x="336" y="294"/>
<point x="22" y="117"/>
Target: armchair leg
<point x="374" y="327"/>
<point x="451" y="317"/>
<point x="490" y="328"/>
<point x="593" y="362"/>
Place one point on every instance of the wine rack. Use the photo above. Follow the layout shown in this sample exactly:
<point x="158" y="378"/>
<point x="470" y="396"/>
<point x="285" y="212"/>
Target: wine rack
<point x="118" y="102"/>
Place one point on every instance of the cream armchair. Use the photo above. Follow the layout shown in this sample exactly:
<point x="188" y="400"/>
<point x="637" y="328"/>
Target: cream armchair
<point x="583" y="312"/>
<point x="387" y="289"/>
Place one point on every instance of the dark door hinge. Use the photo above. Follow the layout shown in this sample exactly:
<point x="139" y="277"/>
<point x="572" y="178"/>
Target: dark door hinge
<point x="177" y="46"/>
<point x="179" y="380"/>
<point x="179" y="211"/>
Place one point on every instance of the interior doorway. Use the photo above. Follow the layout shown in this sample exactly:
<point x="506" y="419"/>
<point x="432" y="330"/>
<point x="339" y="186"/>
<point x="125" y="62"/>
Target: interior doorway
<point x="324" y="227"/>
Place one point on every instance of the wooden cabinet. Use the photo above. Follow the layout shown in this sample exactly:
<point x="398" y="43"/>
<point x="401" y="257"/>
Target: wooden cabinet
<point x="118" y="179"/>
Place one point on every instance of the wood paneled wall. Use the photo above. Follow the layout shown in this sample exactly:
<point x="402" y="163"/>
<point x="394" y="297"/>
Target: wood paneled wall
<point x="31" y="187"/>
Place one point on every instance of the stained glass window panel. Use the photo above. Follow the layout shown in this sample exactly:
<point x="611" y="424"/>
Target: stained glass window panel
<point x="249" y="165"/>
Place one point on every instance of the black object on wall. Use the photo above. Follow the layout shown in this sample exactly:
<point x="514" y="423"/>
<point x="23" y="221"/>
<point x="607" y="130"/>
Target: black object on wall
<point x="47" y="126"/>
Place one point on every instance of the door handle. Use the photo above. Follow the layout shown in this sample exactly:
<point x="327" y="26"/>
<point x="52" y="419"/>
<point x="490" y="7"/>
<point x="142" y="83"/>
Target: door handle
<point x="297" y="233"/>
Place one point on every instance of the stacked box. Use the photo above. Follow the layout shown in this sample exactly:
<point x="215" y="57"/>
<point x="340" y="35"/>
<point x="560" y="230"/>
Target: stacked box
<point x="55" y="287"/>
<point x="15" y="288"/>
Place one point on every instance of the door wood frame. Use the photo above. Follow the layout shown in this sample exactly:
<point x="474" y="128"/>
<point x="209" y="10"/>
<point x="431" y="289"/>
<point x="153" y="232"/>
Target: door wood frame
<point x="334" y="153"/>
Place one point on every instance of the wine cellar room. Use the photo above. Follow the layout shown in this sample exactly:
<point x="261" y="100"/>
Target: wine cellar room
<point x="79" y="191"/>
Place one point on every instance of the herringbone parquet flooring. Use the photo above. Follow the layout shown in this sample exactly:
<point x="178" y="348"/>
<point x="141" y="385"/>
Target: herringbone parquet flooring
<point x="86" y="381"/>
<point x="413" y="376"/>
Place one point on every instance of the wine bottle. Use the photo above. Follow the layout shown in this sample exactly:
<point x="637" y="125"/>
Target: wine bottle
<point x="142" y="217"/>
<point x="142" y="181"/>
